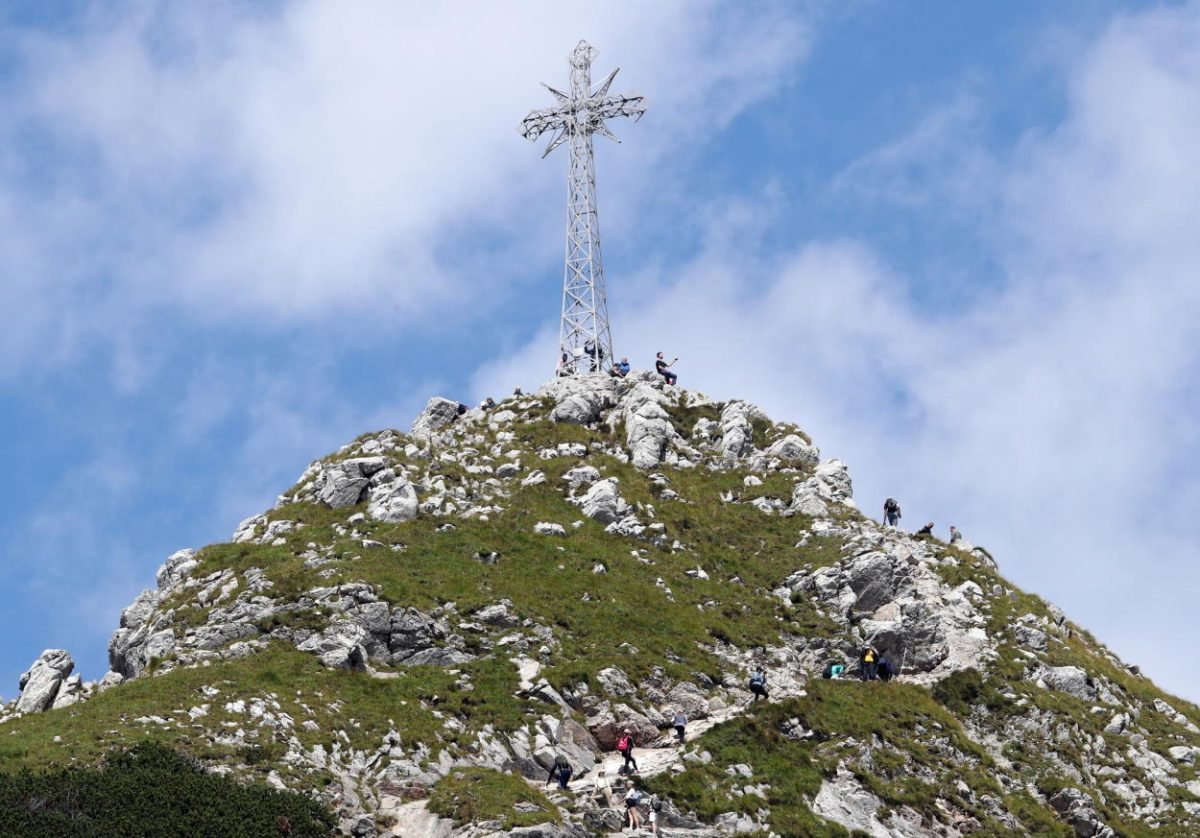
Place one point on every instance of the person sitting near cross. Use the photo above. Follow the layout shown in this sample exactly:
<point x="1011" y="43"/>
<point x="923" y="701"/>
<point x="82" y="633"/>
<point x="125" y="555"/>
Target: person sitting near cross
<point x="664" y="369"/>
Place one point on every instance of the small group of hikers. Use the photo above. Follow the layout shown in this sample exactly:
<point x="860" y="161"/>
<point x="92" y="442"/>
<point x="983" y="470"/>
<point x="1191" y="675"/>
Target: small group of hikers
<point x="602" y="790"/>
<point x="568" y="365"/>
<point x="661" y="366"/>
<point x="872" y="666"/>
<point x="892" y="515"/>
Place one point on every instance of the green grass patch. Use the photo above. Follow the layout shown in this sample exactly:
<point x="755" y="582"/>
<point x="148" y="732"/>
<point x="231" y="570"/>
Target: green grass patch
<point x="482" y="794"/>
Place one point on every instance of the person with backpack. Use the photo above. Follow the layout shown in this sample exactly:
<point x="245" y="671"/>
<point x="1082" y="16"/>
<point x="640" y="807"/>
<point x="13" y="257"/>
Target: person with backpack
<point x="664" y="369"/>
<point x="633" y="799"/>
<point x="625" y="749"/>
<point x="561" y="768"/>
<point x="655" y="807"/>
<point x="891" y="512"/>
<point x="868" y="663"/>
<point x="680" y="722"/>
<point x="884" y="669"/>
<point x="758" y="684"/>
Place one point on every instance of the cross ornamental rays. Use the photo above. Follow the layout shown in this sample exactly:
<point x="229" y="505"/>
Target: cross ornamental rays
<point x="585" y="341"/>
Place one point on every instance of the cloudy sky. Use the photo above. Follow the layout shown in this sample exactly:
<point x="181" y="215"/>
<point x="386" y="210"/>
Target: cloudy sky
<point x="958" y="243"/>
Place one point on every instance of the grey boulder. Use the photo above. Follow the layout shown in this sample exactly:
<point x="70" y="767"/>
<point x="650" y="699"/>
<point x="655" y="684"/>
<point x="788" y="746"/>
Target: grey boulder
<point x="393" y="502"/>
<point x="438" y="413"/>
<point x="39" y="684"/>
<point x="602" y="502"/>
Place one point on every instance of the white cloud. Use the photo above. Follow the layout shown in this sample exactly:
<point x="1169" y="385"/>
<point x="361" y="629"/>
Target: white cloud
<point x="1052" y="420"/>
<point x="329" y="157"/>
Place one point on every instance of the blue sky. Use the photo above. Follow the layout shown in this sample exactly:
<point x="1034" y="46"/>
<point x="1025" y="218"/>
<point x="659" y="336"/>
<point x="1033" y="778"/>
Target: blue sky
<point x="954" y="241"/>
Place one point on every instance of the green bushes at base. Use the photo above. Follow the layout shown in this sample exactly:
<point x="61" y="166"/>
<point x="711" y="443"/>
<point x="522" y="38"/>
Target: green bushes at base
<point x="150" y="791"/>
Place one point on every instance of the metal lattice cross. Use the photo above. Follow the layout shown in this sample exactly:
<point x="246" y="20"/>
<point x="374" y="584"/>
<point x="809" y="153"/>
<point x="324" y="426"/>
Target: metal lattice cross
<point x="585" y="340"/>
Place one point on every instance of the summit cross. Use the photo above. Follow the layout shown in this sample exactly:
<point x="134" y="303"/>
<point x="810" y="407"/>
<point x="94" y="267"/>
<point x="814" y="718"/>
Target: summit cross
<point x="585" y="340"/>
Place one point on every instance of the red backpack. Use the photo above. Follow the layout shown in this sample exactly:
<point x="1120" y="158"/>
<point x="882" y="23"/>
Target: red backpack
<point x="623" y="744"/>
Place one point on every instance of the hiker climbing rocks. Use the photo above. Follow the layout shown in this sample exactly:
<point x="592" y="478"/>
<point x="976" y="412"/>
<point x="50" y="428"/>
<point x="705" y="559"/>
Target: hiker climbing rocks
<point x="891" y="512"/>
<point x="680" y="722"/>
<point x="869" y="663"/>
<point x="562" y="769"/>
<point x="633" y="798"/>
<point x="625" y="749"/>
<point x="884" y="669"/>
<point x="926" y="530"/>
<point x="488" y="403"/>
<point x="758" y="684"/>
<point x="517" y="391"/>
<point x="955" y="535"/>
<point x="623" y="367"/>
<point x="602" y="789"/>
<point x="664" y="369"/>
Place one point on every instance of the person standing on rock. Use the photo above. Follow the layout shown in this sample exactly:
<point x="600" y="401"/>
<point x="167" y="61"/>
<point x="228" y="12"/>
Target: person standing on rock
<point x="602" y="789"/>
<point x="652" y="813"/>
<point x="561" y="768"/>
<point x="633" y="798"/>
<point x="664" y="369"/>
<point x="680" y="723"/>
<point x="891" y="512"/>
<point x="868" y="663"/>
<point x="625" y="749"/>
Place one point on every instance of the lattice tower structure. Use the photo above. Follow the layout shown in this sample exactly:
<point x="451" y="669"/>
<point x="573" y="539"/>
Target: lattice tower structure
<point x="585" y="338"/>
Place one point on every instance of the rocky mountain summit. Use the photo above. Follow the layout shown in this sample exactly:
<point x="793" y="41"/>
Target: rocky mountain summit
<point x="426" y="619"/>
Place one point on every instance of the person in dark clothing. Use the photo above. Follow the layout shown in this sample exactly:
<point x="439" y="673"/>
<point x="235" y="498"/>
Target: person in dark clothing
<point x="884" y="669"/>
<point x="596" y="353"/>
<point x="891" y="512"/>
<point x="758" y="684"/>
<point x="561" y="768"/>
<point x="664" y="369"/>
<point x="462" y="408"/>
<point x="625" y="749"/>
<point x="869" y="663"/>
<point x="926" y="530"/>
<point x="680" y="722"/>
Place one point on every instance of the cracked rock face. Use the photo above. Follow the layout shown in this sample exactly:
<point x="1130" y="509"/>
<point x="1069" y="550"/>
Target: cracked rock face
<point x="393" y="501"/>
<point x="438" y="414"/>
<point x="40" y="683"/>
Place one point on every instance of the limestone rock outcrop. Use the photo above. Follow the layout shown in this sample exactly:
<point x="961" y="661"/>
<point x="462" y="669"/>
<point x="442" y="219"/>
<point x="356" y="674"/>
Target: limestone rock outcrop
<point x="40" y="683"/>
